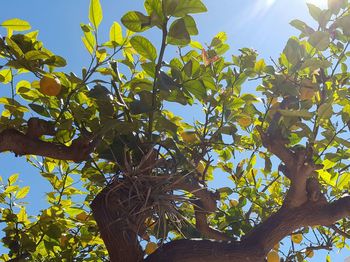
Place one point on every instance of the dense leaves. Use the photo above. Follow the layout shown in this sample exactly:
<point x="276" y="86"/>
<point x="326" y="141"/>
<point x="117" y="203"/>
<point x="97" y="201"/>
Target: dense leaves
<point x="124" y="98"/>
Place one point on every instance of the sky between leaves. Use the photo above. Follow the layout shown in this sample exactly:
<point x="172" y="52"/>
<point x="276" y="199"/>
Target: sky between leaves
<point x="260" y="24"/>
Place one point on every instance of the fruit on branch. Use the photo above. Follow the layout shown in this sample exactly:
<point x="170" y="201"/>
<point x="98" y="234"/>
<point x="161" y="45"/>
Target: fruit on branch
<point x="233" y="203"/>
<point x="50" y="86"/>
<point x="297" y="238"/>
<point x="150" y="248"/>
<point x="309" y="253"/>
<point x="200" y="167"/>
<point x="273" y="256"/>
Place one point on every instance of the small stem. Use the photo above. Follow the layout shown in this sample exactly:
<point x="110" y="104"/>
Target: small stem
<point x="156" y="75"/>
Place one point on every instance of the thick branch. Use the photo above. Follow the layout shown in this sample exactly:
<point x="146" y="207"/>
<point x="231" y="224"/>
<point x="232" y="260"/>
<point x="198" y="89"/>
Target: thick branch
<point x="287" y="220"/>
<point x="205" y="204"/>
<point x="203" y="226"/>
<point x="297" y="165"/>
<point x="31" y="144"/>
<point x="277" y="146"/>
<point x="260" y="241"/>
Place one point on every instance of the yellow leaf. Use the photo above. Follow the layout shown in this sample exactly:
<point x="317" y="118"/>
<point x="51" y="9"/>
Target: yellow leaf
<point x="259" y="66"/>
<point x="115" y="33"/>
<point x="16" y="24"/>
<point x="189" y="137"/>
<point x="22" y="192"/>
<point x="22" y="215"/>
<point x="95" y="13"/>
<point x="12" y="179"/>
<point x="87" y="44"/>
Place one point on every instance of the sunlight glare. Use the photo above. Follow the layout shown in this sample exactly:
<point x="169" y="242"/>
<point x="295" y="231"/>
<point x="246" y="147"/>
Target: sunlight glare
<point x="319" y="3"/>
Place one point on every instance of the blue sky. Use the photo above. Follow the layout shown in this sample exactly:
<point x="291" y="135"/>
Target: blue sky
<point x="260" y="24"/>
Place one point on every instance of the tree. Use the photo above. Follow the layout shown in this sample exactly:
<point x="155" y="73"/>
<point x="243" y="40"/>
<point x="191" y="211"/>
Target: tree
<point x="127" y="172"/>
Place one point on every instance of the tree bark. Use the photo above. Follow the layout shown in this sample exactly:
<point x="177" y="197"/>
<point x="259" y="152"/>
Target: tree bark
<point x="256" y="245"/>
<point x="120" y="240"/>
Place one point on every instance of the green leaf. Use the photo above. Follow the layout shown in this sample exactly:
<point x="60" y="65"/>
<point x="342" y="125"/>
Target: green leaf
<point x="115" y="33"/>
<point x="22" y="215"/>
<point x="22" y="192"/>
<point x="23" y="86"/>
<point x="342" y="141"/>
<point x="149" y="68"/>
<point x="155" y="11"/>
<point x="88" y="45"/>
<point x="185" y="7"/>
<point x="178" y="34"/>
<point x="136" y="21"/>
<point x="320" y="40"/>
<point x="16" y="49"/>
<point x="259" y="66"/>
<point x="343" y="181"/>
<point x="6" y="76"/>
<point x="10" y="189"/>
<point x="195" y="44"/>
<point x="191" y="25"/>
<point x="12" y="179"/>
<point x="196" y="88"/>
<point x="16" y="24"/>
<point x="325" y="111"/>
<point x="39" y="109"/>
<point x="144" y="105"/>
<point x="35" y="55"/>
<point x="296" y="113"/>
<point x="144" y="47"/>
<point x="95" y="13"/>
<point x="54" y="231"/>
<point x="314" y="11"/>
<point x="302" y="26"/>
<point x="293" y="51"/>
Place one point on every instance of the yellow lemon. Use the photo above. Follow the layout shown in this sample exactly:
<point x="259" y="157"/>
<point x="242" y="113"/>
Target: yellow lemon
<point x="297" y="238"/>
<point x="189" y="137"/>
<point x="150" y="248"/>
<point x="309" y="253"/>
<point x="233" y="203"/>
<point x="50" y="86"/>
<point x="273" y="256"/>
<point x="244" y="121"/>
<point x="200" y="167"/>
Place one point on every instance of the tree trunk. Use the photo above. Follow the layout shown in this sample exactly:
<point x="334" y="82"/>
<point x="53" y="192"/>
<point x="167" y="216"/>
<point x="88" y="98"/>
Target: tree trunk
<point x="121" y="242"/>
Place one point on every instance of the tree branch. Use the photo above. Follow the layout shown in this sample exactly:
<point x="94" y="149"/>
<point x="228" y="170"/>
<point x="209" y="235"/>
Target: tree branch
<point x="258" y="242"/>
<point x="203" y="205"/>
<point x="30" y="143"/>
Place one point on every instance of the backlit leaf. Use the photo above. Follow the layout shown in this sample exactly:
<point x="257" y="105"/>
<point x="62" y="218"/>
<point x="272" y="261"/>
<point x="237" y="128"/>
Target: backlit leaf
<point x="16" y="24"/>
<point x="144" y="47"/>
<point x="136" y="21"/>
<point x="22" y="192"/>
<point x="115" y="33"/>
<point x="95" y="13"/>
<point x="178" y="34"/>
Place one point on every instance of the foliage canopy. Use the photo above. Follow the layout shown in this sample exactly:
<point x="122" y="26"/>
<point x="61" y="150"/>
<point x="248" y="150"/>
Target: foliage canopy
<point x="114" y="153"/>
